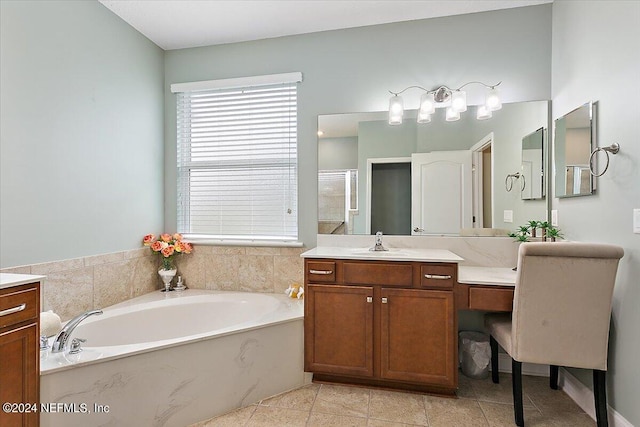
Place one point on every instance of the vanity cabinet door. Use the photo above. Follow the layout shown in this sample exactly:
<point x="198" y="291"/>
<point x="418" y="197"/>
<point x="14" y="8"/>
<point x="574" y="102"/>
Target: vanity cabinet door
<point x="418" y="341"/>
<point x="339" y="329"/>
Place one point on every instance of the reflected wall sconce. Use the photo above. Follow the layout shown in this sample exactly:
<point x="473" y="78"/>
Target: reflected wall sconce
<point x="454" y="100"/>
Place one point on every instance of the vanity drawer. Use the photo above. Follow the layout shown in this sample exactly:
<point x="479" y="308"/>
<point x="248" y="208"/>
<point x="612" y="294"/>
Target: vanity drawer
<point x="490" y="299"/>
<point x="320" y="271"/>
<point x="437" y="276"/>
<point x="18" y="304"/>
<point x="378" y="273"/>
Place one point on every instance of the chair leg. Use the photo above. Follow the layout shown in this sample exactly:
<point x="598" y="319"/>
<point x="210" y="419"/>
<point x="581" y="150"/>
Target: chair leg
<point x="494" y="360"/>
<point x="600" y="397"/>
<point x="516" y="378"/>
<point x="553" y="376"/>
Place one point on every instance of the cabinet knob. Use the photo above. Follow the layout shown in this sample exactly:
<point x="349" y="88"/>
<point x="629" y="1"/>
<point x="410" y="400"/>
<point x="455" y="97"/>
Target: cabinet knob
<point x="369" y="299"/>
<point x="384" y="300"/>
<point x="418" y="230"/>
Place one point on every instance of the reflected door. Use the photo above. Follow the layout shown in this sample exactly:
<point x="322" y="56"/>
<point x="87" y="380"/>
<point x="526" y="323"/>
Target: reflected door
<point x="441" y="186"/>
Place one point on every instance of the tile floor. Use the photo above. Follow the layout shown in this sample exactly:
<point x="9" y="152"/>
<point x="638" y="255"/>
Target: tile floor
<point x="479" y="403"/>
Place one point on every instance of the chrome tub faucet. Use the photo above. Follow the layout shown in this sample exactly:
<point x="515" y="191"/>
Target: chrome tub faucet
<point x="61" y="340"/>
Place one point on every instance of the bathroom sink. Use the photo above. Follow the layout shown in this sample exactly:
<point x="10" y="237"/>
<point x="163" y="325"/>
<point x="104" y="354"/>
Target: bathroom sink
<point x="392" y="252"/>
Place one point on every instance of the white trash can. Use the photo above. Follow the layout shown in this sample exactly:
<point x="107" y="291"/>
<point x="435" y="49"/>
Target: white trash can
<point x="475" y="354"/>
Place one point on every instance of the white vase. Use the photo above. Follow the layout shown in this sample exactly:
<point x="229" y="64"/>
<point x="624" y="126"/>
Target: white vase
<point x="167" y="276"/>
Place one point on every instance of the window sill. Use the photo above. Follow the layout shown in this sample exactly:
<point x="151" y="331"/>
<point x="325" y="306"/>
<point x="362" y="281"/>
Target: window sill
<point x="212" y="241"/>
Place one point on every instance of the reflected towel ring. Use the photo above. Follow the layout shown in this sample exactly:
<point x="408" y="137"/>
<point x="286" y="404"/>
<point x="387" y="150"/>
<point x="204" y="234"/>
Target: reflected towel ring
<point x="508" y="181"/>
<point x="613" y="149"/>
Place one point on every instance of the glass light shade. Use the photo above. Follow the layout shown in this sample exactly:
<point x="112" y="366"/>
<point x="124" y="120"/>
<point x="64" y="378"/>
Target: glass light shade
<point x="452" y="116"/>
<point x="492" y="101"/>
<point x="483" y="113"/>
<point x="459" y="101"/>
<point x="423" y="118"/>
<point x="427" y="104"/>
<point x="396" y="110"/>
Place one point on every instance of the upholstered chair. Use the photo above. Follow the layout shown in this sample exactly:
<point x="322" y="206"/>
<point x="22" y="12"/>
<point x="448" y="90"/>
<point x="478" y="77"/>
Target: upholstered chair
<point x="561" y="314"/>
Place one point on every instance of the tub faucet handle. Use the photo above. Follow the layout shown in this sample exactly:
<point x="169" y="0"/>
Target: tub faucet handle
<point x="180" y="285"/>
<point x="76" y="345"/>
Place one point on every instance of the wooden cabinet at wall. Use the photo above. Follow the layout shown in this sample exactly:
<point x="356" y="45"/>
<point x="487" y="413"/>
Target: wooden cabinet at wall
<point x="389" y="324"/>
<point x="484" y="298"/>
<point x="19" y="353"/>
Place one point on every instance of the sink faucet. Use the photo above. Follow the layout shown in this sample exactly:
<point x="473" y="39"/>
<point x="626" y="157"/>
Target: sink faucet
<point x="60" y="341"/>
<point x="378" y="246"/>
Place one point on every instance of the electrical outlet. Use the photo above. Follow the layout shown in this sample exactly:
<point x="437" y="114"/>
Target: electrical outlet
<point x="554" y="217"/>
<point x="508" y="216"/>
<point x="636" y="221"/>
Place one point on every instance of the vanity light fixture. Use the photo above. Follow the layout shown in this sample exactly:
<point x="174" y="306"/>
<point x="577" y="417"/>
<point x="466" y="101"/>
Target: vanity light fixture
<point x="454" y="100"/>
<point x="483" y="113"/>
<point x="396" y="110"/>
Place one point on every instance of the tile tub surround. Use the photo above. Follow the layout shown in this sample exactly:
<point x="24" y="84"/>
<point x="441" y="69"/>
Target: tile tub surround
<point x="245" y="269"/>
<point x="479" y="403"/>
<point x="76" y="285"/>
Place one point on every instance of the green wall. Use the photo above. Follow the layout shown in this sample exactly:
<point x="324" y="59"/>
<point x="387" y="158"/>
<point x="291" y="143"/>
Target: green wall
<point x="81" y="132"/>
<point x="596" y="57"/>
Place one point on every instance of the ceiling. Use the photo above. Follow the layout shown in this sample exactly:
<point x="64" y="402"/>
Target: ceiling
<point x="177" y="24"/>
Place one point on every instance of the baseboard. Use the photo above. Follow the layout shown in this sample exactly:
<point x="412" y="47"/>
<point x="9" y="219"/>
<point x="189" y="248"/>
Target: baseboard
<point x="576" y="390"/>
<point x="583" y="396"/>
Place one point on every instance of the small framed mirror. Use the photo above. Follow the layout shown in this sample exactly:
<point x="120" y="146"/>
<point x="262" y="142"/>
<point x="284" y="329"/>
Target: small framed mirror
<point x="533" y="165"/>
<point x="575" y="139"/>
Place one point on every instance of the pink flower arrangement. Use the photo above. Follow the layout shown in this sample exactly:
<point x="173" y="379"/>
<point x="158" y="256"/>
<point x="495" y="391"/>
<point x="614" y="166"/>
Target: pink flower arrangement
<point x="168" y="246"/>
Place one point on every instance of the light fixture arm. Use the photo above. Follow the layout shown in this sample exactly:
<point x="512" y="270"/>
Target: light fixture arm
<point x="407" y="88"/>
<point x="445" y="87"/>
<point x="483" y="84"/>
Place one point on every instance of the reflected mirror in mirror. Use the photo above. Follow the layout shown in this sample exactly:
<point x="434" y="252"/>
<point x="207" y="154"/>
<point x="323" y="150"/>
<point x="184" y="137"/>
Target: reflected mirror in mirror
<point x="574" y="140"/>
<point x="533" y="165"/>
<point x="402" y="179"/>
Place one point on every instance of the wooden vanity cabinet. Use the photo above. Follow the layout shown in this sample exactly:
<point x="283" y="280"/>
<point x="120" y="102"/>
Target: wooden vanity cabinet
<point x="339" y="329"/>
<point x="19" y="353"/>
<point x="378" y="323"/>
<point x="417" y="339"/>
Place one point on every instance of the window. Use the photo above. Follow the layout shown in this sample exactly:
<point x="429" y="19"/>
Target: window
<point x="237" y="158"/>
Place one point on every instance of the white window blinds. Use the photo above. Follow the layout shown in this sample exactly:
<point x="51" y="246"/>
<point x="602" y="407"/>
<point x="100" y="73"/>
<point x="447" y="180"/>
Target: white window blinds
<point x="237" y="162"/>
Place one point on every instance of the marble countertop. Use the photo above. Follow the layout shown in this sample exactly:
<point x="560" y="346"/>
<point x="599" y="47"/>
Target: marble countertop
<point x="9" y="280"/>
<point x="496" y="276"/>
<point x="393" y="254"/>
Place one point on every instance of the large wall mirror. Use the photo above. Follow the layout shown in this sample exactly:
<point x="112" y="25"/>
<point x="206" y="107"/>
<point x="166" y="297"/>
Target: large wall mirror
<point x="403" y="179"/>
<point x="574" y="140"/>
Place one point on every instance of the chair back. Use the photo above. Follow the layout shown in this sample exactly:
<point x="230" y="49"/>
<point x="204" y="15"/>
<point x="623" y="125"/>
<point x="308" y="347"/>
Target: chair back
<point x="562" y="303"/>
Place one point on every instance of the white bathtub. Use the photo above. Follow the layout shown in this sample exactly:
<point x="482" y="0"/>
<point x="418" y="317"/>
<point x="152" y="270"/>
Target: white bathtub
<point x="175" y="359"/>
